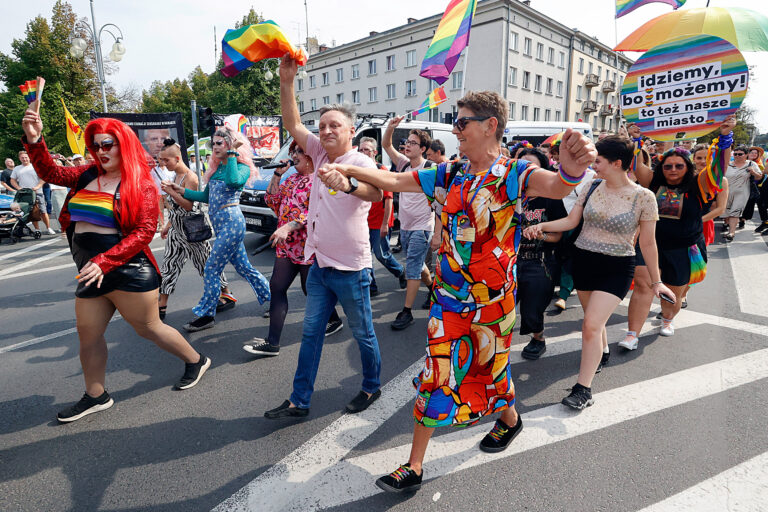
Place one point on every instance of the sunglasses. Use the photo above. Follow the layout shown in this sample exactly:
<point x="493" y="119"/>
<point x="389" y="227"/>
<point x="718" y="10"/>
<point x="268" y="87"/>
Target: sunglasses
<point x="677" y="167"/>
<point x="297" y="151"/>
<point x="462" y="122"/>
<point x="218" y="143"/>
<point x="106" y="145"/>
<point x="739" y="154"/>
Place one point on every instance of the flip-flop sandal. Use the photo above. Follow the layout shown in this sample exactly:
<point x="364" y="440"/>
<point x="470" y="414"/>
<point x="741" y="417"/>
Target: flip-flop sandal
<point x="229" y="302"/>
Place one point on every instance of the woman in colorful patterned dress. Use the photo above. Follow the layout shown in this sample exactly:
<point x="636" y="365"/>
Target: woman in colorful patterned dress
<point x="290" y="202"/>
<point x="467" y="372"/>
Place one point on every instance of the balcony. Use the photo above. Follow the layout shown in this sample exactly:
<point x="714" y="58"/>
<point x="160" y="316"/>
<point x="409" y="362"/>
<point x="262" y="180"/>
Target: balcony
<point x="592" y="80"/>
<point x="609" y="86"/>
<point x="589" y="106"/>
<point x="606" y="110"/>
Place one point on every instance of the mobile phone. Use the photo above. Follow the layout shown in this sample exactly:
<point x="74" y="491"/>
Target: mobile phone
<point x="664" y="296"/>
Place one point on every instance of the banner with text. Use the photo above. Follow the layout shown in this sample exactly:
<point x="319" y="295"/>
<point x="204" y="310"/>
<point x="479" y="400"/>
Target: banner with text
<point x="152" y="129"/>
<point x="684" y="88"/>
<point x="264" y="132"/>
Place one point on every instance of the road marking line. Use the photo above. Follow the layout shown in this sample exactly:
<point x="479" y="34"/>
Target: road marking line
<point x="743" y="488"/>
<point x="748" y="267"/>
<point x="41" y="339"/>
<point x="28" y="249"/>
<point x="37" y="271"/>
<point x="31" y="263"/>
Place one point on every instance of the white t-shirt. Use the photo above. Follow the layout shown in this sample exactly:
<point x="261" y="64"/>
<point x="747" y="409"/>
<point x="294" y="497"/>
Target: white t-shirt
<point x="25" y="176"/>
<point x="414" y="212"/>
<point x="159" y="174"/>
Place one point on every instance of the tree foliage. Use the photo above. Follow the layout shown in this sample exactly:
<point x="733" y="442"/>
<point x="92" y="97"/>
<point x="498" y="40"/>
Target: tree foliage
<point x="742" y="133"/>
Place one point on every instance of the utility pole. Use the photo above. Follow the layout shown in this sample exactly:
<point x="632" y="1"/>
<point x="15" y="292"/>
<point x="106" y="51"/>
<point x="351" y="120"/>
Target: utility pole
<point x="215" y="49"/>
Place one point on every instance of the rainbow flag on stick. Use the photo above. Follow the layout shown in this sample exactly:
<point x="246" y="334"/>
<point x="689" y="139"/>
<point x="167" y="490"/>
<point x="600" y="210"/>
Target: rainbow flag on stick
<point x="451" y="37"/>
<point x="29" y="90"/>
<point x="627" y="6"/>
<point x="436" y="97"/>
<point x="245" y="46"/>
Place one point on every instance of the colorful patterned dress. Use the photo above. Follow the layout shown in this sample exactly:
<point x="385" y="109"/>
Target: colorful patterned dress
<point x="466" y="374"/>
<point x="291" y="203"/>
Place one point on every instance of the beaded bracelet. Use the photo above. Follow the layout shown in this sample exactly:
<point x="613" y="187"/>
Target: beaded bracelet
<point x="725" y="141"/>
<point x="569" y="180"/>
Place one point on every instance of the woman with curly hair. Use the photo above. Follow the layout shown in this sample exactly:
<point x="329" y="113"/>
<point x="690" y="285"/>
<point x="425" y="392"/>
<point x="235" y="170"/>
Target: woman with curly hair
<point x="110" y="216"/>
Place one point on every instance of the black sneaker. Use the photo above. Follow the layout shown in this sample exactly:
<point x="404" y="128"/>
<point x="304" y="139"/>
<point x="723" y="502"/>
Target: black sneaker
<point x="362" y="401"/>
<point x="534" y="349"/>
<point x="400" y="480"/>
<point x="87" y="405"/>
<point x="580" y="397"/>
<point x="603" y="362"/>
<point x="200" y="323"/>
<point x="761" y="227"/>
<point x="193" y="372"/>
<point x="403" y="280"/>
<point x="261" y="347"/>
<point x="285" y="410"/>
<point x="403" y="320"/>
<point x="500" y="436"/>
<point x="742" y="222"/>
<point x="374" y="292"/>
<point x="333" y="327"/>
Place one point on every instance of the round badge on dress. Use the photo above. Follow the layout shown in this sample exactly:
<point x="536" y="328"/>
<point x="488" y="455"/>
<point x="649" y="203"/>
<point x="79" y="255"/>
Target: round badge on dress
<point x="498" y="170"/>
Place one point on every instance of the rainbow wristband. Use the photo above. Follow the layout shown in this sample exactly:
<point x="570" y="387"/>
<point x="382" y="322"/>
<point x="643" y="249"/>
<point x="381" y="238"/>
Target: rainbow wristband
<point x="567" y="179"/>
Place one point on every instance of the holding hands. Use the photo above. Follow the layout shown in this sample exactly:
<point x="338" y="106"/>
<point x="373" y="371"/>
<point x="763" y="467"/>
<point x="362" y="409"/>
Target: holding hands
<point x="334" y="177"/>
<point x="170" y="187"/>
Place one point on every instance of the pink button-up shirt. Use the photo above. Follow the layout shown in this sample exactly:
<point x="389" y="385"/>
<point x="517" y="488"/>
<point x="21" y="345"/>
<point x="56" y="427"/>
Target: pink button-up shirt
<point x="337" y="225"/>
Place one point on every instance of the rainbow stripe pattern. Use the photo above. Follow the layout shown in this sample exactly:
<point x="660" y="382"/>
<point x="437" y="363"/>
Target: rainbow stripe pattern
<point x="29" y="90"/>
<point x="698" y="265"/>
<point x="678" y="55"/>
<point x="627" y="6"/>
<point x="451" y="37"/>
<point x="435" y="98"/>
<point x="243" y="47"/>
<point x="94" y="207"/>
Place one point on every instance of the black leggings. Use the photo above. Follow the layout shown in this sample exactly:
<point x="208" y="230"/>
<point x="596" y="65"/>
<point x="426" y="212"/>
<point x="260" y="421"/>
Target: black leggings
<point x="283" y="274"/>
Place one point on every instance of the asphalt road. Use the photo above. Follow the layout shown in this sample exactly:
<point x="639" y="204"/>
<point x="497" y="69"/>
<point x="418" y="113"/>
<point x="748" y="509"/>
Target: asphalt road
<point x="677" y="425"/>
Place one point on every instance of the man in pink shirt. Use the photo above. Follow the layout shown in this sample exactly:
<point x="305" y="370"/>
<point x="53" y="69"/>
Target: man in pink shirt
<point x="337" y="236"/>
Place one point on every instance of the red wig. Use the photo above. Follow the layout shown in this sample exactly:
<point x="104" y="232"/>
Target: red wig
<point x="134" y="166"/>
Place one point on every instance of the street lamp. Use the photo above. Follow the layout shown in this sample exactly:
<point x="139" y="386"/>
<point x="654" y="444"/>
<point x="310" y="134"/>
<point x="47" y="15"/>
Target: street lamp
<point x="78" y="45"/>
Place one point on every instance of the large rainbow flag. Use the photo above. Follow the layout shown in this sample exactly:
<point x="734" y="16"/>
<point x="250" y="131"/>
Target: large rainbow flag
<point x="627" y="6"/>
<point x="243" y="47"/>
<point x="451" y="37"/>
<point x="435" y="98"/>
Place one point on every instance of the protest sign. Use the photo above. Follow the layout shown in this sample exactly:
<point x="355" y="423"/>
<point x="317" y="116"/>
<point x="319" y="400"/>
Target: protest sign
<point x="684" y="88"/>
<point x="152" y="129"/>
<point x="263" y="132"/>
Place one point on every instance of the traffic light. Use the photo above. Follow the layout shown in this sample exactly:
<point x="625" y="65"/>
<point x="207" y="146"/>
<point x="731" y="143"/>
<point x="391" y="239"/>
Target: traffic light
<point x="205" y="120"/>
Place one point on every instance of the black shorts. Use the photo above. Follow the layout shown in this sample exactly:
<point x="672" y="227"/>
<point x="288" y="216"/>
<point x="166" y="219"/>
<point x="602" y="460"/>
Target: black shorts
<point x="593" y="271"/>
<point x="137" y="275"/>
<point x="675" y="264"/>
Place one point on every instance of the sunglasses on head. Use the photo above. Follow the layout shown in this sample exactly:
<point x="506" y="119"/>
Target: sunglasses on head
<point x="677" y="167"/>
<point x="106" y="145"/>
<point x="462" y="122"/>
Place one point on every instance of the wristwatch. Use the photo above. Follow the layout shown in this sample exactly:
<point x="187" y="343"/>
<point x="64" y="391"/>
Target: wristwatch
<point x="353" y="184"/>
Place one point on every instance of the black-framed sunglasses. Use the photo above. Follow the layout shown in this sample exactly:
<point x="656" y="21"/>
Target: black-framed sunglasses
<point x="462" y="122"/>
<point x="106" y="145"/>
<point x="739" y="153"/>
<point x="677" y="167"/>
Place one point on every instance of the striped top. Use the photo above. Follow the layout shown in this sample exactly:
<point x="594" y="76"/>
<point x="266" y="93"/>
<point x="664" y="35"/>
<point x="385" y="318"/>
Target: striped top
<point x="93" y="207"/>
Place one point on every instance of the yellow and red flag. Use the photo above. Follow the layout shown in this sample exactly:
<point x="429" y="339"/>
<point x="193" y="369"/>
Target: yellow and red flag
<point x="75" y="135"/>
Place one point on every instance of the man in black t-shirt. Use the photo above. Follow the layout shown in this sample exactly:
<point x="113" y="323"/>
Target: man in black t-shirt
<point x="5" y="178"/>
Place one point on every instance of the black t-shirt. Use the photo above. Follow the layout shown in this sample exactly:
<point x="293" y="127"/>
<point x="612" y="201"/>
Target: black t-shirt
<point x="6" y="176"/>
<point x="540" y="209"/>
<point x="680" y="214"/>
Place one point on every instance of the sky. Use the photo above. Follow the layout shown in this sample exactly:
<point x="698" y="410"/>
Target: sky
<point x="167" y="39"/>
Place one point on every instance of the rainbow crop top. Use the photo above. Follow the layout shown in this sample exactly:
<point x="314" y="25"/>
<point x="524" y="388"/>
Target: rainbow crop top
<point x="94" y="207"/>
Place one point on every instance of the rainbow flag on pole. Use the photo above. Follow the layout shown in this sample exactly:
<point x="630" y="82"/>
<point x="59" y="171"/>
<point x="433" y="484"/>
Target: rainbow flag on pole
<point x="436" y="97"/>
<point x="627" y="6"/>
<point x="245" y="46"/>
<point x="451" y="37"/>
<point x="29" y="90"/>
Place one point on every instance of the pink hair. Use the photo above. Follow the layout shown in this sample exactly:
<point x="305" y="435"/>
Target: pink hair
<point x="244" y="152"/>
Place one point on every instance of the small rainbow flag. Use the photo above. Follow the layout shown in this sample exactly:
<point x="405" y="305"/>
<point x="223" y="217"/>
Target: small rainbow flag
<point x="451" y="37"/>
<point x="29" y="90"/>
<point x="245" y="46"/>
<point x="627" y="6"/>
<point x="436" y="97"/>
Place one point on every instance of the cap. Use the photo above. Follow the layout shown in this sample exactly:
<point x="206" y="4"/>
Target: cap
<point x="76" y="156"/>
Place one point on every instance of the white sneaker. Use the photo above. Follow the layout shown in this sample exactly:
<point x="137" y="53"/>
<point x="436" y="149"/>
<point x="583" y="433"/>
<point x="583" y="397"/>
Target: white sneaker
<point x="667" y="329"/>
<point x="51" y="231"/>
<point x="629" y="343"/>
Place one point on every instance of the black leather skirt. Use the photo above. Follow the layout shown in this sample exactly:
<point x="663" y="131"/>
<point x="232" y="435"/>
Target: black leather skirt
<point x="137" y="275"/>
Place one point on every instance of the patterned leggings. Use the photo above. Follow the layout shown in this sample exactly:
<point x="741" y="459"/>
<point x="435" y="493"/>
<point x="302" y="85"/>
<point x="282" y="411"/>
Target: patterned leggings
<point x="177" y="251"/>
<point x="228" y="247"/>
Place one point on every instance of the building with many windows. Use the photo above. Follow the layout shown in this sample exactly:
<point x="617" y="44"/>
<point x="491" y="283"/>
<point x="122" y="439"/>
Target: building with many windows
<point x="515" y="50"/>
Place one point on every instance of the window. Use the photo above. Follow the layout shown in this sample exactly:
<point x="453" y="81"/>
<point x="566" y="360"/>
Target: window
<point x="340" y="98"/>
<point x="550" y="82"/>
<point x="581" y="65"/>
<point x="372" y="67"/>
<point x="340" y="74"/>
<point x="390" y="62"/>
<point x="512" y="76"/>
<point x="524" y="113"/>
<point x="313" y="104"/>
<point x="326" y="78"/>
<point x="326" y="100"/>
<point x="557" y="115"/>
<point x="390" y="91"/>
<point x="562" y="59"/>
<point x="511" y="110"/>
<point x="551" y="56"/>
<point x="300" y="84"/>
<point x="527" y="46"/>
<point x="537" y="84"/>
<point x="355" y="71"/>
<point x="458" y="79"/>
<point x="312" y="81"/>
<point x="579" y="88"/>
<point x="599" y="71"/>
<point x="559" y="89"/>
<point x="539" y="51"/>
<point x="410" y="58"/>
<point x="513" y="37"/>
<point x="356" y="97"/>
<point x="547" y="115"/>
<point x="607" y="74"/>
<point x="410" y="88"/>
<point x="591" y="67"/>
<point x="526" y="81"/>
<point x="372" y="96"/>
<point x="536" y="114"/>
<point x="301" y="106"/>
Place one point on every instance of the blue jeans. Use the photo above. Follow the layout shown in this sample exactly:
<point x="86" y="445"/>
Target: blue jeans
<point x="324" y="287"/>
<point x="380" y="248"/>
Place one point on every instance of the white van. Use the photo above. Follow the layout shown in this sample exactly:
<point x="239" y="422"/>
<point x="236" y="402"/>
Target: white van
<point x="537" y="132"/>
<point x="260" y="218"/>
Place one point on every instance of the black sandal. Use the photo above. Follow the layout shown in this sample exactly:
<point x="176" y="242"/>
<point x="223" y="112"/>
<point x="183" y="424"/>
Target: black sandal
<point x="162" y="310"/>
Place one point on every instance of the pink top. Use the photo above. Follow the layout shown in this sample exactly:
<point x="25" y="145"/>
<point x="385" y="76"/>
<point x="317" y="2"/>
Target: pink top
<point x="290" y="204"/>
<point x="337" y="225"/>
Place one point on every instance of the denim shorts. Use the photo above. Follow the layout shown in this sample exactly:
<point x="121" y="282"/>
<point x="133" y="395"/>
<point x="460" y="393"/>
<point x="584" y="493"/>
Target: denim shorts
<point x="415" y="245"/>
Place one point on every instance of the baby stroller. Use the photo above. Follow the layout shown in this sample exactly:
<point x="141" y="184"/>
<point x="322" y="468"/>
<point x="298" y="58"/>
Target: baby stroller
<point x="15" y="226"/>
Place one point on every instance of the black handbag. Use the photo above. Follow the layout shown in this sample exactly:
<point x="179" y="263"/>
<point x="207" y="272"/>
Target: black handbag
<point x="196" y="227"/>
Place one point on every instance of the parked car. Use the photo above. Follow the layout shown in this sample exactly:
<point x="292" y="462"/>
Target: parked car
<point x="537" y="132"/>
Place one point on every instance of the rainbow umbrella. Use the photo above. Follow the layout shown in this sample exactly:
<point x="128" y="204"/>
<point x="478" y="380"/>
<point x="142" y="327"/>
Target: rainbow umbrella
<point x="745" y="29"/>
<point x="554" y="140"/>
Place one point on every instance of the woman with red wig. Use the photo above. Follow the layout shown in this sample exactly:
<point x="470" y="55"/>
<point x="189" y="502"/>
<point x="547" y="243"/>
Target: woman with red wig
<point x="110" y="216"/>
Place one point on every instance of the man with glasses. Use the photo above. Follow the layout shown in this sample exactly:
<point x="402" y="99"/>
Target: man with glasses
<point x="380" y="219"/>
<point x="417" y="221"/>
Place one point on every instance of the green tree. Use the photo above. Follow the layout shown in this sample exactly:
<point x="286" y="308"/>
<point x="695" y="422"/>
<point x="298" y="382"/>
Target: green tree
<point x="742" y="132"/>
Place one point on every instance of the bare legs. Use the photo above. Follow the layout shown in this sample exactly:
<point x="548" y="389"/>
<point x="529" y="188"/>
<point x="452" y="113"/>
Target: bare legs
<point x="412" y="289"/>
<point x="642" y="298"/>
<point x="598" y="307"/>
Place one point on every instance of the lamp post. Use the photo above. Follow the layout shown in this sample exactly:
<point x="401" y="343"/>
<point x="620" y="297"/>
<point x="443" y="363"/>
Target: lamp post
<point x="79" y="45"/>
